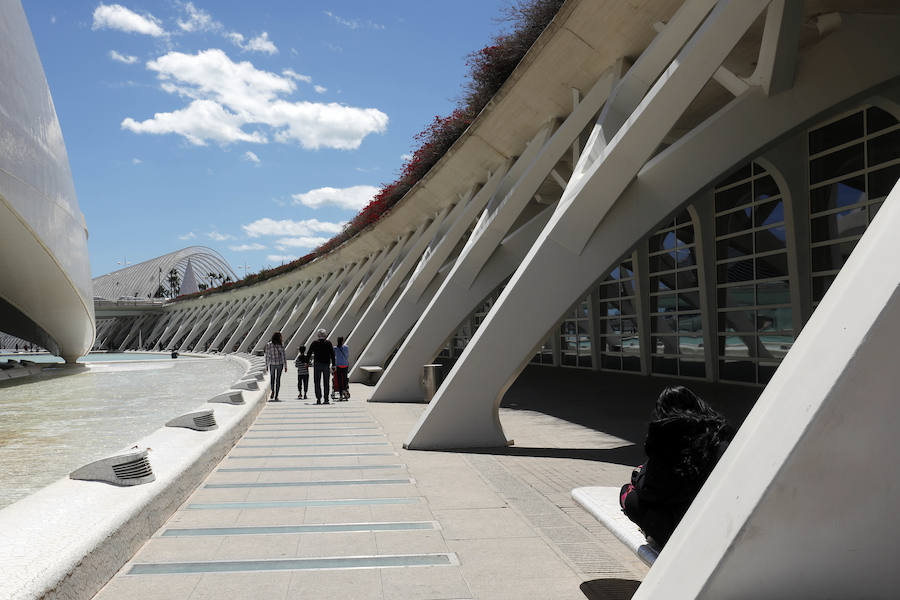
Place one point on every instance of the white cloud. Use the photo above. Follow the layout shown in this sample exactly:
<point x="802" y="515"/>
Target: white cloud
<point x="261" y="43"/>
<point x="406" y="157"/>
<point x="53" y="19"/>
<point x="297" y="76"/>
<point x="219" y="237"/>
<point x="319" y="89"/>
<point x="116" y="16"/>
<point x="301" y="242"/>
<point x="281" y="258"/>
<point x="227" y="96"/>
<point x="287" y="227"/>
<point x="136" y="161"/>
<point x="246" y="247"/>
<point x="122" y="58"/>
<point x="251" y="156"/>
<point x="351" y="198"/>
<point x="188" y="236"/>
<point x="353" y="23"/>
<point x="197" y="20"/>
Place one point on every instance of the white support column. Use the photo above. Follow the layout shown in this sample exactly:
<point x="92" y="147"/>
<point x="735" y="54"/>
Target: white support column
<point x="321" y="302"/>
<point x="347" y="321"/>
<point x="450" y="305"/>
<point x="401" y="381"/>
<point x="464" y="411"/>
<point x="141" y="321"/>
<point x="794" y="508"/>
<point x="380" y="304"/>
<point x="232" y="315"/>
<point x="413" y="299"/>
<point x="200" y="325"/>
<point x="303" y="308"/>
<point x="184" y="326"/>
<point x="220" y="315"/>
<point x="157" y="329"/>
<point x="341" y="296"/>
<point x="282" y="314"/>
<point x="263" y="320"/>
<point x="258" y="305"/>
<point x="170" y="328"/>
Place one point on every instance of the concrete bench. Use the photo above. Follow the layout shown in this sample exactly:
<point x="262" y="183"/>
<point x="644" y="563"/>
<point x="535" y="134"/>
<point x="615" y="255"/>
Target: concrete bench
<point x="373" y="374"/>
<point x="603" y="504"/>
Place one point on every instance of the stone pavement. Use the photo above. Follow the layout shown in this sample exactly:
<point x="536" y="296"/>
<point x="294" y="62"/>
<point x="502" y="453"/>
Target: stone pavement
<point x="323" y="502"/>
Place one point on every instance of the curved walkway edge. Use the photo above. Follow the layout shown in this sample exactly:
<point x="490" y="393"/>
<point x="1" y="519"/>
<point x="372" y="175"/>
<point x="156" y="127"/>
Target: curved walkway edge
<point x="68" y="539"/>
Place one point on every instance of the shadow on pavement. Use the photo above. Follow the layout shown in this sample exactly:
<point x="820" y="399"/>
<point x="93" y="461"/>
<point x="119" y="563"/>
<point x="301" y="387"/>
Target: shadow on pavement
<point x="609" y="589"/>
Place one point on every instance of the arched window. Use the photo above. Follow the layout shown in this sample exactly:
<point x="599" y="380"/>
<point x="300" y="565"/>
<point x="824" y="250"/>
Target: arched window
<point x="620" y="348"/>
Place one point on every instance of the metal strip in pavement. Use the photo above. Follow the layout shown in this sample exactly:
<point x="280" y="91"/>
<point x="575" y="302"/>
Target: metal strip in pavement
<point x="308" y="483"/>
<point x="242" y="446"/>
<point x="323" y="455"/>
<point x="320" y="528"/>
<point x="300" y="503"/>
<point x="298" y="564"/>
<point x="308" y="468"/>
<point x="285" y="437"/>
<point x="254" y="427"/>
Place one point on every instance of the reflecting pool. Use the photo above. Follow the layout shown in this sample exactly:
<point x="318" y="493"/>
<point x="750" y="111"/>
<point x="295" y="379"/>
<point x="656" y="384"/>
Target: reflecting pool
<point x="53" y="423"/>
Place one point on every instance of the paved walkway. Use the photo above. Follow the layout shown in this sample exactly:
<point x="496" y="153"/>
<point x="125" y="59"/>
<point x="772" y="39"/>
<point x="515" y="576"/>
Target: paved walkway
<point x="323" y="502"/>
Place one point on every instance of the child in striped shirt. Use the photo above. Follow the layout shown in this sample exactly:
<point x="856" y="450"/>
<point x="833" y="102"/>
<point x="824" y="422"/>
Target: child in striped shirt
<point x="302" y="364"/>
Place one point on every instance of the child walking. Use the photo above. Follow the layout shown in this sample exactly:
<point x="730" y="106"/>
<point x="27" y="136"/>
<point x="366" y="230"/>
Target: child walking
<point x="302" y="364"/>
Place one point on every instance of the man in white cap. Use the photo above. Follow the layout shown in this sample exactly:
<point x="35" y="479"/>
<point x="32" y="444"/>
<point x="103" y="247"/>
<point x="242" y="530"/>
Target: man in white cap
<point x="322" y="353"/>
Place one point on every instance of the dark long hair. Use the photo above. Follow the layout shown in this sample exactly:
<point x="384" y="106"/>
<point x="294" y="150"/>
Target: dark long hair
<point x="276" y="339"/>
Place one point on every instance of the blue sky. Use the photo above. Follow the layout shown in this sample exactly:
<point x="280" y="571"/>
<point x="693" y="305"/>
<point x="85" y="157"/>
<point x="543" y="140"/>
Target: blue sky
<point x="254" y="128"/>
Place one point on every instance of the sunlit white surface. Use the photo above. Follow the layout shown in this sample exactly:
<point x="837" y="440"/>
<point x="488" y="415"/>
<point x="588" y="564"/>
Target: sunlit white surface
<point x="68" y="416"/>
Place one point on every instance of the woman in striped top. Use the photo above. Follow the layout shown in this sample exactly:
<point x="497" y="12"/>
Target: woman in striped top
<point x="275" y="362"/>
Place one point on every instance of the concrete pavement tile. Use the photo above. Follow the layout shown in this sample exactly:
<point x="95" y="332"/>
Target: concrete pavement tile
<point x="293" y="515"/>
<point x="339" y="514"/>
<point x="356" y="543"/>
<point x="482" y="523"/>
<point x="148" y="587"/>
<point x="204" y="518"/>
<point x="388" y="490"/>
<point x="177" y="549"/>
<point x="508" y="559"/>
<point x="424" y="582"/>
<point x="244" y="547"/>
<point x="410" y="542"/>
<point x="352" y="584"/>
<point x="205" y="495"/>
<point x="219" y="476"/>
<point x="272" y="585"/>
<point x="529" y="589"/>
<point x="418" y="511"/>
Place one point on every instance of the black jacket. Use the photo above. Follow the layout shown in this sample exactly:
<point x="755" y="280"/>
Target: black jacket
<point x="322" y="352"/>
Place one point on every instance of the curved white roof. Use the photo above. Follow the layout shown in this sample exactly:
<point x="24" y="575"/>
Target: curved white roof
<point x="144" y="278"/>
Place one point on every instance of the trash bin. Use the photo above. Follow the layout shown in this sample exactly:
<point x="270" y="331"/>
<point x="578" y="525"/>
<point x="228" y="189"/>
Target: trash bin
<point x="431" y="379"/>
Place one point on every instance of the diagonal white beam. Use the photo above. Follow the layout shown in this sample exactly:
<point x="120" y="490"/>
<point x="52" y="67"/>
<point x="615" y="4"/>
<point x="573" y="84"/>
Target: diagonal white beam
<point x="340" y="298"/>
<point x="778" y="51"/>
<point x="315" y="308"/>
<point x="281" y="315"/>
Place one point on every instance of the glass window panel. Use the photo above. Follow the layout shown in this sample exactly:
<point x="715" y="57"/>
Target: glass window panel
<point x="836" y="164"/>
<point x="774" y="265"/>
<point x="656" y="242"/>
<point x="691" y="367"/>
<point x="737" y="370"/>
<point x="662" y="283"/>
<point x="737" y="346"/>
<point x="734" y="197"/>
<point x="842" y="193"/>
<point x="881" y="182"/>
<point x="734" y="222"/>
<point x="734" y="247"/>
<point x="767" y="370"/>
<point x="611" y="362"/>
<point x="838" y="225"/>
<point x="743" y="321"/>
<point x="736" y="296"/>
<point x="768" y="213"/>
<point x="629" y="327"/>
<point x="585" y="361"/>
<point x="770" y="239"/>
<point x="883" y="148"/>
<point x="689" y="324"/>
<point x="685" y="235"/>
<point x="613" y="308"/>
<point x="626" y="288"/>
<point x="608" y="291"/>
<point x="657" y="263"/>
<point x="664" y="324"/>
<point x="664" y="303"/>
<point x="628" y="307"/>
<point x="687" y="279"/>
<point x="691" y="345"/>
<point x="614" y="274"/>
<point x="689" y="301"/>
<point x="631" y="363"/>
<point x="583" y="329"/>
<point x="873" y="209"/>
<point x="686" y="257"/>
<point x="820" y="285"/>
<point x="826" y="258"/>
<point x="668" y="241"/>
<point x="765" y="187"/>
<point x="837" y="133"/>
<point x="683" y="217"/>
<point x="767" y="320"/>
<point x="742" y="173"/>
<point x="775" y="292"/>
<point x="665" y="344"/>
<point x="878" y="119"/>
<point x="665" y="365"/>
<point x="569" y="360"/>
<point x="741" y="270"/>
<point x="627" y="270"/>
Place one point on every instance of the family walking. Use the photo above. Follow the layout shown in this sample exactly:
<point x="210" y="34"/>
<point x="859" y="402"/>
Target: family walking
<point x="325" y="358"/>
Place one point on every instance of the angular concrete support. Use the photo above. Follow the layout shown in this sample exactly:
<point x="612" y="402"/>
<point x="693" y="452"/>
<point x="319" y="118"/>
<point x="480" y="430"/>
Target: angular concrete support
<point x="281" y="315"/>
<point x="464" y="411"/>
<point x="323" y="299"/>
<point x="264" y="319"/>
<point x="380" y="304"/>
<point x="308" y="299"/>
<point x="234" y="314"/>
<point x="184" y="327"/>
<point x="219" y="317"/>
<point x="794" y="507"/>
<point x="260" y="305"/>
<point x="341" y="297"/>
<point x="140" y="322"/>
<point x="200" y="325"/>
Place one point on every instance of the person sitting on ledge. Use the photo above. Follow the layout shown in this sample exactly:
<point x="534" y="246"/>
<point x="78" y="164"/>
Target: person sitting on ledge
<point x="685" y="440"/>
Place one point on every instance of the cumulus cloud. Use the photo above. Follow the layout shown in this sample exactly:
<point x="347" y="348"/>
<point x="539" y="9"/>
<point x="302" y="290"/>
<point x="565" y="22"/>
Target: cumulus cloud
<point x="116" y="16"/>
<point x="320" y="89"/>
<point x="296" y="76"/>
<point x="351" y="198"/>
<point x="219" y="237"/>
<point x="197" y="20"/>
<point x="260" y="43"/>
<point x="301" y="242"/>
<point x="122" y="58"/>
<point x="246" y="247"/>
<point x="289" y="228"/>
<point x="251" y="157"/>
<point x="188" y="236"/>
<point x="281" y="258"/>
<point x="227" y="96"/>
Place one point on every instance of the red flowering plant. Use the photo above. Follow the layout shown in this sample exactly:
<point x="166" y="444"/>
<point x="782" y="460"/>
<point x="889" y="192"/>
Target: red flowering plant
<point x="489" y="68"/>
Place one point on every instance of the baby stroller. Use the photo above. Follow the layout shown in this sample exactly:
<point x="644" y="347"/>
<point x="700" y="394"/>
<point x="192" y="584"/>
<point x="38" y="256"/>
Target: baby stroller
<point x="338" y="394"/>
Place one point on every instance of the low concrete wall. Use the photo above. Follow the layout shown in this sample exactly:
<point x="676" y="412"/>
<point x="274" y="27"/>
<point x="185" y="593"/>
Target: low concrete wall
<point x="68" y="539"/>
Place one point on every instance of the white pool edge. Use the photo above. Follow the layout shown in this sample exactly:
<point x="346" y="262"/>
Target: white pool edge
<point x="69" y="538"/>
